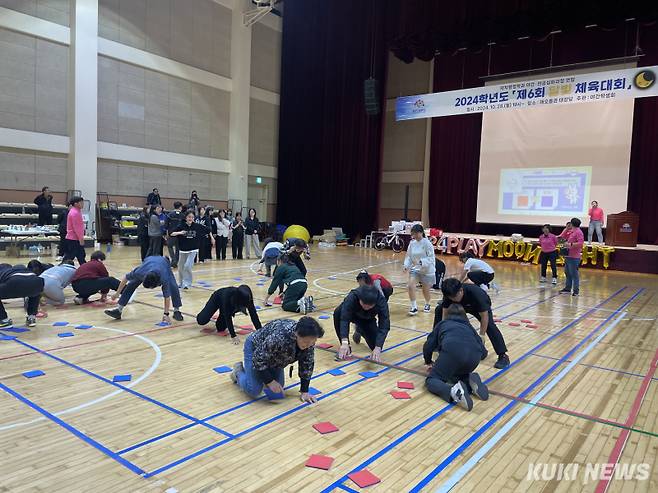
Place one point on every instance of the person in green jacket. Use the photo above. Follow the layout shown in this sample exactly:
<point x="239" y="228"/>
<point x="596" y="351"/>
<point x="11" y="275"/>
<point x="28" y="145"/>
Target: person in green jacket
<point x="288" y="274"/>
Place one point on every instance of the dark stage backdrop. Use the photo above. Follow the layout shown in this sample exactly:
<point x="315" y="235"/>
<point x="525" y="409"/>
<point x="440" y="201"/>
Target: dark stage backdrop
<point x="455" y="150"/>
<point x="329" y="149"/>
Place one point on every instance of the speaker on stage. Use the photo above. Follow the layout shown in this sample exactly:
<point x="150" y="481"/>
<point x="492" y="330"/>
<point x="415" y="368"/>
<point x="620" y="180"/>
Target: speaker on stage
<point x="371" y="96"/>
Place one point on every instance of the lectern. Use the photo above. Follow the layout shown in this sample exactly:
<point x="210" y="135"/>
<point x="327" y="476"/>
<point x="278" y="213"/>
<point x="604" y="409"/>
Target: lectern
<point x="621" y="229"/>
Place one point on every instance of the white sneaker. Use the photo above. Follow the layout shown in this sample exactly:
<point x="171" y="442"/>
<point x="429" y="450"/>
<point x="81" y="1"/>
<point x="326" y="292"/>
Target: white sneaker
<point x="413" y="310"/>
<point x="542" y="280"/>
<point x="461" y="397"/>
<point x="427" y="308"/>
<point x="496" y="288"/>
<point x="554" y="281"/>
<point x="301" y="304"/>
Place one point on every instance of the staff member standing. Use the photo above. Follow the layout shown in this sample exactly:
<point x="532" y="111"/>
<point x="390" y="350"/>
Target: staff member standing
<point x="220" y="228"/>
<point x="75" y="232"/>
<point x="548" y="245"/>
<point x="174" y="219"/>
<point x="44" y="203"/>
<point x="575" y="240"/>
<point x="252" y="225"/>
<point x="154" y="198"/>
<point x="596" y="216"/>
<point x="476" y="302"/>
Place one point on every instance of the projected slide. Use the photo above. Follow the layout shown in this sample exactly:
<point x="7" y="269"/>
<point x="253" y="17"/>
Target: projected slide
<point x="560" y="191"/>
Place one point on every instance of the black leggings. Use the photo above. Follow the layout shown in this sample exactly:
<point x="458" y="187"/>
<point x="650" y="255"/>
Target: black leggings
<point x="480" y="277"/>
<point x="220" y="247"/>
<point x="87" y="287"/>
<point x="74" y="250"/>
<point x="236" y="246"/>
<point x="144" y="246"/>
<point x="29" y="287"/>
<point x="388" y="292"/>
<point x="544" y="259"/>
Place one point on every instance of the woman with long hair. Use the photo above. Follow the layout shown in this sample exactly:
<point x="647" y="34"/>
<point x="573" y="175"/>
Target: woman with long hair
<point x="252" y="225"/>
<point x="220" y="229"/>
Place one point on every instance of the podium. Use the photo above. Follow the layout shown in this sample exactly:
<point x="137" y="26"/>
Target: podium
<point x="621" y="229"/>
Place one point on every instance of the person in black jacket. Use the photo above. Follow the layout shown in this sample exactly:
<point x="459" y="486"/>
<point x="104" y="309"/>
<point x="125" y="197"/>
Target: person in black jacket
<point x="205" y="220"/>
<point x="44" y="204"/>
<point x="229" y="301"/>
<point x="143" y="231"/>
<point x="62" y="218"/>
<point x="154" y="198"/>
<point x="237" y="228"/>
<point x="252" y="225"/>
<point x="190" y="236"/>
<point x="365" y="307"/>
<point x="295" y="247"/>
<point x="476" y="302"/>
<point x="460" y="351"/>
<point x="174" y="219"/>
<point x="20" y="282"/>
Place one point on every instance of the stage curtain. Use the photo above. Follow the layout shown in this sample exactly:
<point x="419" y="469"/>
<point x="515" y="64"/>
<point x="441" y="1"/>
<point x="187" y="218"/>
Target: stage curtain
<point x="455" y="146"/>
<point x="329" y="148"/>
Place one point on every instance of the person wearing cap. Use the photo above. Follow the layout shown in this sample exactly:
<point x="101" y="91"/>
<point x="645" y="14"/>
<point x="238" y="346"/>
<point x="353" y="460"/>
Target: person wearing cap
<point x="367" y="309"/>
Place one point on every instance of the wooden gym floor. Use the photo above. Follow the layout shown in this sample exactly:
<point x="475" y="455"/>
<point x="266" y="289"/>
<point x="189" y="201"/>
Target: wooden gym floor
<point x="582" y="389"/>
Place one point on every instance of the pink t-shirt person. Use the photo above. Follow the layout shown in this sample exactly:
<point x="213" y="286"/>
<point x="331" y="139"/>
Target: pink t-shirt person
<point x="595" y="214"/>
<point x="548" y="243"/>
<point x="75" y="226"/>
<point x="576" y="238"/>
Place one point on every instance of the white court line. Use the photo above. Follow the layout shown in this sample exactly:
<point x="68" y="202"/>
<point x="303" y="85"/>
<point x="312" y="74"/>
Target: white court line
<point x="146" y="374"/>
<point x="482" y="451"/>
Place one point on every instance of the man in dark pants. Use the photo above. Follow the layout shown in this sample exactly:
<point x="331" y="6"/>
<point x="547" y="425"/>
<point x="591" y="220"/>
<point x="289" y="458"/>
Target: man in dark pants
<point x="460" y="350"/>
<point x="295" y="247"/>
<point x="365" y="307"/>
<point x="476" y="302"/>
<point x="174" y="219"/>
<point x="44" y="203"/>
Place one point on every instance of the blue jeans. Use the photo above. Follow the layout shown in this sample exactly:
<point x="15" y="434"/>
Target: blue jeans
<point x="249" y="381"/>
<point x="573" y="276"/>
<point x="595" y="226"/>
<point x="132" y="286"/>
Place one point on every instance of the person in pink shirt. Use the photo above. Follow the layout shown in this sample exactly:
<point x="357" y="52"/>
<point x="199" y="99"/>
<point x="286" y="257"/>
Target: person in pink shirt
<point x="595" y="214"/>
<point x="574" y="241"/>
<point x="75" y="232"/>
<point x="548" y="245"/>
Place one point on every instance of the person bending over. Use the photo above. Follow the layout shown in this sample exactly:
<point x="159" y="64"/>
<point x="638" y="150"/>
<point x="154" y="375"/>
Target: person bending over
<point x="477" y="271"/>
<point x="366" y="308"/>
<point x="229" y="301"/>
<point x="295" y="247"/>
<point x="91" y="278"/>
<point x="440" y="268"/>
<point x="55" y="279"/>
<point x="460" y="351"/>
<point x="20" y="282"/>
<point x="476" y="302"/>
<point x="268" y="351"/>
<point x="153" y="272"/>
<point x="271" y="253"/>
<point x="287" y="274"/>
<point x="376" y="280"/>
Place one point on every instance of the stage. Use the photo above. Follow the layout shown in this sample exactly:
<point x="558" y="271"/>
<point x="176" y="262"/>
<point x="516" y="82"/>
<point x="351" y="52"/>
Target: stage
<point x="642" y="258"/>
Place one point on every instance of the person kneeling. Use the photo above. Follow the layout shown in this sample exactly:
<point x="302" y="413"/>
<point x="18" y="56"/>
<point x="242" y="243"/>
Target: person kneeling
<point x="155" y="271"/>
<point x="268" y="351"/>
<point x="460" y="350"/>
<point x="287" y="273"/>
<point x="91" y="278"/>
<point x="229" y="301"/>
<point x="367" y="309"/>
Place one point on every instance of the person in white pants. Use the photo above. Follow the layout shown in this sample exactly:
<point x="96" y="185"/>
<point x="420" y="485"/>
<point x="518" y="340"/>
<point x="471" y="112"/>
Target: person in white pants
<point x="252" y="225"/>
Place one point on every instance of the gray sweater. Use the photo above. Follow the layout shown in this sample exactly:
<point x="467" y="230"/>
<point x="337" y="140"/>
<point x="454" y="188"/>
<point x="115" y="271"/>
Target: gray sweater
<point x="155" y="228"/>
<point x="62" y="274"/>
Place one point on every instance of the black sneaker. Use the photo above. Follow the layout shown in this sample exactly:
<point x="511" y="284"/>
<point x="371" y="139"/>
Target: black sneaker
<point x="503" y="362"/>
<point x="477" y="387"/>
<point x="565" y="290"/>
<point x="575" y="293"/>
<point x="484" y="355"/>
<point x="31" y="321"/>
<point x="461" y="397"/>
<point x="356" y="337"/>
<point x="178" y="316"/>
<point x="115" y="313"/>
<point x="6" y="323"/>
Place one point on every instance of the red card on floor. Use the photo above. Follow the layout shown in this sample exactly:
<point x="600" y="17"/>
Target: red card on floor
<point x="514" y="324"/>
<point x="319" y="462"/>
<point x="400" y="395"/>
<point x="325" y="427"/>
<point x="364" y="478"/>
<point x="244" y="332"/>
<point x="207" y="330"/>
<point x="324" y="345"/>
<point x="532" y="326"/>
<point x="250" y="327"/>
<point x="406" y="385"/>
<point x="526" y="321"/>
<point x="278" y="300"/>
